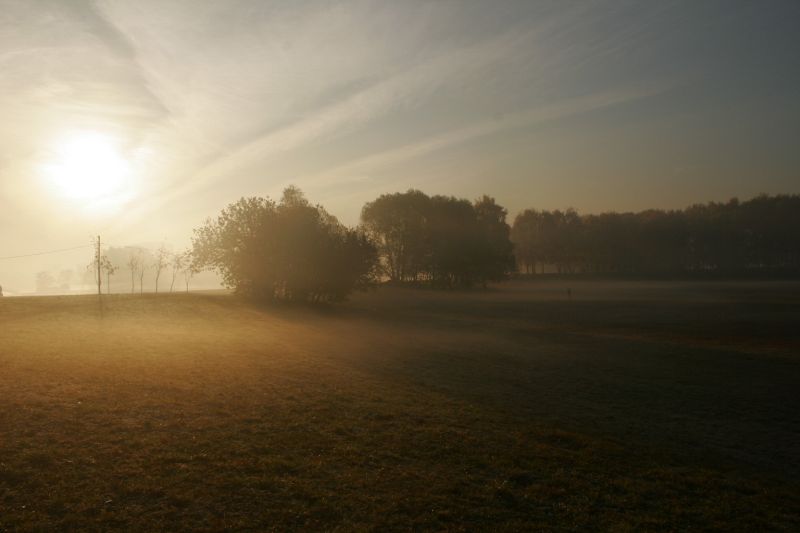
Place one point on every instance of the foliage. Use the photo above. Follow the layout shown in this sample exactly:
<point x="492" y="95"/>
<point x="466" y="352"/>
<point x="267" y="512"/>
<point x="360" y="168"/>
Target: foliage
<point x="182" y="263"/>
<point x="762" y="234"/>
<point x="189" y="266"/>
<point x="288" y="251"/>
<point x="160" y="262"/>
<point x="396" y="224"/>
<point x="440" y="240"/>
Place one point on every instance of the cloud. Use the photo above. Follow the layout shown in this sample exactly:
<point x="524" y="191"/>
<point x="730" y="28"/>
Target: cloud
<point x="360" y="169"/>
<point x="398" y="91"/>
<point x="249" y="93"/>
<point x="216" y="93"/>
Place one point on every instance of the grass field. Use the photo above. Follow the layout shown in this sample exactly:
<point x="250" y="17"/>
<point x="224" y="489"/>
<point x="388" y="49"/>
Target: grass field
<point x="630" y="406"/>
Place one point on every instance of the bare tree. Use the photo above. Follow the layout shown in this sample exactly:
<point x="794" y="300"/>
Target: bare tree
<point x="142" y="269"/>
<point x="178" y="261"/>
<point x="108" y="267"/>
<point x="161" y="262"/>
<point x="134" y="263"/>
<point x="190" y="268"/>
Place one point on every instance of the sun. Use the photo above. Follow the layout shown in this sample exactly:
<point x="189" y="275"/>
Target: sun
<point x="90" y="167"/>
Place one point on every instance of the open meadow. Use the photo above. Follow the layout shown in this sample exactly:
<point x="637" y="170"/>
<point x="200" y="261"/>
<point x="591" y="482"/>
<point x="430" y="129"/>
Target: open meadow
<point x="625" y="406"/>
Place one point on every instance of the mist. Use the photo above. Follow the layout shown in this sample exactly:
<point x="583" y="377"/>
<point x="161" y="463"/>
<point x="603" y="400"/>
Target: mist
<point x="399" y="266"/>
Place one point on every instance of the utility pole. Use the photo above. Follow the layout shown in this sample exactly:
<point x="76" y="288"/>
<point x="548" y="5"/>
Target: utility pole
<point x="99" y="279"/>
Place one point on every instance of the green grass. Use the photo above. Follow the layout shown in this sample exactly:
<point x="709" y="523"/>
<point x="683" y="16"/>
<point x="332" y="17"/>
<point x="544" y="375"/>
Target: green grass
<point x="633" y="406"/>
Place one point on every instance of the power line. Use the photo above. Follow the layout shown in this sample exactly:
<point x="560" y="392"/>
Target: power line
<point x="48" y="252"/>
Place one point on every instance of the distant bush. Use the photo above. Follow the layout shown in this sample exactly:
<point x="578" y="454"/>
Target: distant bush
<point x="286" y="251"/>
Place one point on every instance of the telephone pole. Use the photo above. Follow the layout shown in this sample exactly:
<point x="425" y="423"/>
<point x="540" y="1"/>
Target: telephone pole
<point x="97" y="257"/>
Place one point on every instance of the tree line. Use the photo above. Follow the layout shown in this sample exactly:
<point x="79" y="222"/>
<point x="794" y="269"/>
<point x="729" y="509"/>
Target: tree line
<point x="294" y="251"/>
<point x="167" y="270"/>
<point x="761" y="235"/>
<point x="134" y="269"/>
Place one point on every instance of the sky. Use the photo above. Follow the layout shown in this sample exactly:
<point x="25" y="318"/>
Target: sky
<point x="188" y="106"/>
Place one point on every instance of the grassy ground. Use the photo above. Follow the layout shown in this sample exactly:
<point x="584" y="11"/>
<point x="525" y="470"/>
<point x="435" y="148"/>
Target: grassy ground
<point x="632" y="406"/>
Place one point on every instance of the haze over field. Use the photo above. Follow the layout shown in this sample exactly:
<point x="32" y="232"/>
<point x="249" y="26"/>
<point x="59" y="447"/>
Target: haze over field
<point x="453" y="265"/>
<point x="187" y="106"/>
<point x="631" y="406"/>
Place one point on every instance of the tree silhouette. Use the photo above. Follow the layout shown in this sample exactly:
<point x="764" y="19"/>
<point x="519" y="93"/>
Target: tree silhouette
<point x="190" y="267"/>
<point x="440" y="240"/>
<point x="495" y="254"/>
<point x="177" y="262"/>
<point x="160" y="262"/>
<point x="108" y="267"/>
<point x="289" y="251"/>
<point x="396" y="223"/>
<point x="759" y="235"/>
<point x="134" y="263"/>
<point x="141" y="272"/>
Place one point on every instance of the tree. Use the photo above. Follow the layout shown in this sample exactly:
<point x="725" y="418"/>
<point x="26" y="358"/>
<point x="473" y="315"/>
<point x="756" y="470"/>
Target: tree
<point x="531" y="236"/>
<point x="96" y="270"/>
<point x="108" y="267"/>
<point x="141" y="272"/>
<point x="719" y="237"/>
<point x="289" y="250"/>
<point x="190" y="267"/>
<point x="441" y="240"/>
<point x="396" y="223"/>
<point x="160" y="262"/>
<point x="495" y="254"/>
<point x="177" y="262"/>
<point x="134" y="264"/>
<point x="452" y="239"/>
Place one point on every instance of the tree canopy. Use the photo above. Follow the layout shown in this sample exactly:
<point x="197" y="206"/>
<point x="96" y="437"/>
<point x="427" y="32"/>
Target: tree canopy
<point x="758" y="235"/>
<point x="289" y="250"/>
<point x="440" y="240"/>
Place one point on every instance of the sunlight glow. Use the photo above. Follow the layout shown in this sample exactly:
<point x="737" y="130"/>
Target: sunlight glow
<point x="89" y="167"/>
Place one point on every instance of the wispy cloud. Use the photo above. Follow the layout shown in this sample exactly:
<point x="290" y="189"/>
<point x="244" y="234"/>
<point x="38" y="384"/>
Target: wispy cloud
<point x="360" y="168"/>
<point x="240" y="97"/>
<point x="395" y="92"/>
<point x="403" y="90"/>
